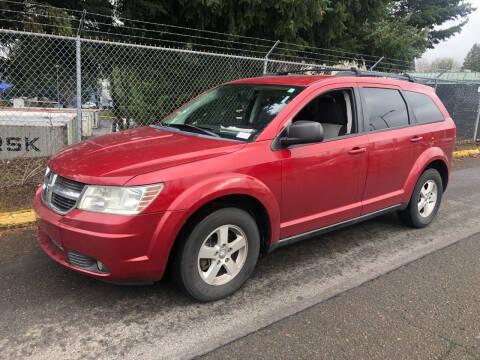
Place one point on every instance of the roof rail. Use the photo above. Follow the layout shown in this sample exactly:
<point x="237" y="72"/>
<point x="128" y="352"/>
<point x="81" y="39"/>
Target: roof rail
<point x="368" y="73"/>
<point x="317" y="69"/>
<point x="353" y="71"/>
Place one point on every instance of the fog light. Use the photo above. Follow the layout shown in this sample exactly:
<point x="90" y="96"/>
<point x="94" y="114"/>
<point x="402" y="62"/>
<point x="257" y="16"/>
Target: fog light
<point x="101" y="266"/>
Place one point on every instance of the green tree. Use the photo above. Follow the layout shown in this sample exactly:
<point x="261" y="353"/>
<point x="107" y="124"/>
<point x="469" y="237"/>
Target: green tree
<point x="445" y="63"/>
<point x="472" y="60"/>
<point x="401" y="29"/>
<point x="429" y="15"/>
<point x="50" y="16"/>
<point x="287" y="20"/>
<point x="437" y="65"/>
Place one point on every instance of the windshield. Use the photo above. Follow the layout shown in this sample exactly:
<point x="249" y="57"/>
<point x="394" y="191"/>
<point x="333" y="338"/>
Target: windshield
<point x="235" y="111"/>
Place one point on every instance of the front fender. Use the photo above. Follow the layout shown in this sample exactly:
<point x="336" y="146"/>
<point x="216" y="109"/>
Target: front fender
<point x="190" y="200"/>
<point x="427" y="157"/>
<point x="229" y="184"/>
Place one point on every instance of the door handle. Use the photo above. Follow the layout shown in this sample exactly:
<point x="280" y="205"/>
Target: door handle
<point x="357" y="150"/>
<point x="416" y="138"/>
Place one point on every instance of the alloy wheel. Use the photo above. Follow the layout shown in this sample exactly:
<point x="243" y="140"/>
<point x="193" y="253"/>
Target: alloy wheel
<point x="222" y="255"/>
<point x="427" y="198"/>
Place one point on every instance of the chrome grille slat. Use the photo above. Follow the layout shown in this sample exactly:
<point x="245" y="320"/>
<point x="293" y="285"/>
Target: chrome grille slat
<point x="70" y="184"/>
<point x="61" y="194"/>
<point x="67" y="193"/>
<point x="62" y="203"/>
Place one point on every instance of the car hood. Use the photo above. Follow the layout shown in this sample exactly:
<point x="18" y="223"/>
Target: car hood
<point x="115" y="158"/>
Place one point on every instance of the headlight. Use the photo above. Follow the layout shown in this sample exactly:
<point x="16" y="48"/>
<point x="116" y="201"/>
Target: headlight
<point x="119" y="200"/>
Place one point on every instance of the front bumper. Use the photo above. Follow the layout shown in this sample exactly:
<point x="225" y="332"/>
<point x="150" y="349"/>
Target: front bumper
<point x="131" y="247"/>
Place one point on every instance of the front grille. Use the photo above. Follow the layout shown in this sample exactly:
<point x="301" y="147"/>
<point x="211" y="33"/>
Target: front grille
<point x="62" y="203"/>
<point x="70" y="184"/>
<point x="61" y="194"/>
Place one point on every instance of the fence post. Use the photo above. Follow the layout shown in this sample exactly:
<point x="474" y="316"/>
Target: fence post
<point x="265" y="62"/>
<point x="475" y="132"/>
<point x="438" y="77"/>
<point x="78" y="66"/>
<point x="375" y="65"/>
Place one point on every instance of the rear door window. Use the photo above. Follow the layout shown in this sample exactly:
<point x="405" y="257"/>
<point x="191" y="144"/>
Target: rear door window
<point x="386" y="108"/>
<point x="425" y="110"/>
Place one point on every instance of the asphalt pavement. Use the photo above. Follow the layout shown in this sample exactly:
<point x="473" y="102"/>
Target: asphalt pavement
<point x="428" y="309"/>
<point x="49" y="312"/>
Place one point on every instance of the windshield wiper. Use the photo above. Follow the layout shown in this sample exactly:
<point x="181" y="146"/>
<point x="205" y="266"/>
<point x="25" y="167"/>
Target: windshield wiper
<point x="193" y="127"/>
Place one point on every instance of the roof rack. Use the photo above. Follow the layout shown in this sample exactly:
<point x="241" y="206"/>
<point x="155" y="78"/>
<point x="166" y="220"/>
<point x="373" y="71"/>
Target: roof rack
<point x="317" y="69"/>
<point x="353" y="71"/>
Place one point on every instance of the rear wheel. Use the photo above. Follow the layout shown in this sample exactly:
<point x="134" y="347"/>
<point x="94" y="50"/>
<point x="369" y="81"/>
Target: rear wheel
<point x="218" y="255"/>
<point x="425" y="200"/>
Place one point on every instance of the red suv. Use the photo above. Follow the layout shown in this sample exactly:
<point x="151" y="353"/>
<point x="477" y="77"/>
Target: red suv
<point x="244" y="168"/>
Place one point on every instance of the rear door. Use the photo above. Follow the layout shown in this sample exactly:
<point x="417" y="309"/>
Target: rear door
<point x="424" y="114"/>
<point x="390" y="146"/>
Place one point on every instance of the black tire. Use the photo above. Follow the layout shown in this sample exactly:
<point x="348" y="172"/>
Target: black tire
<point x="185" y="267"/>
<point x="411" y="215"/>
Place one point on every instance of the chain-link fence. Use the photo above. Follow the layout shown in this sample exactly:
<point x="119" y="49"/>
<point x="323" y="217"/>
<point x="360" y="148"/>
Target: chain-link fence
<point x="111" y="85"/>
<point x="129" y="84"/>
<point x="462" y="100"/>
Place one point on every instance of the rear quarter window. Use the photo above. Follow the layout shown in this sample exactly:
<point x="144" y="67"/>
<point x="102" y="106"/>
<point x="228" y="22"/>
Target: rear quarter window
<point x="385" y="108"/>
<point x="423" y="107"/>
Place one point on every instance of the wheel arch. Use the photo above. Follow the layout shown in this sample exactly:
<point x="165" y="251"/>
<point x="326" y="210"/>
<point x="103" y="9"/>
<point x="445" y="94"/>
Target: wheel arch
<point x="432" y="158"/>
<point x="226" y="190"/>
<point x="442" y="169"/>
<point x="245" y="202"/>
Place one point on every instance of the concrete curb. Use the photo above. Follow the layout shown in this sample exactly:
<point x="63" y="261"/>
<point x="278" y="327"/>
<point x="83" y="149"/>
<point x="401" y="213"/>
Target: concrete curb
<point x="15" y="219"/>
<point x="22" y="218"/>
<point x="464" y="153"/>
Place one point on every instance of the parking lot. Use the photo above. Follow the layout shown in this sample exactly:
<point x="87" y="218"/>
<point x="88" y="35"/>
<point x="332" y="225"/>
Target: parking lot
<point x="50" y="312"/>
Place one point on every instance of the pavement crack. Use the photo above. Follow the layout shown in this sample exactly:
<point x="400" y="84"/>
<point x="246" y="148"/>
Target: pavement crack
<point x="470" y="350"/>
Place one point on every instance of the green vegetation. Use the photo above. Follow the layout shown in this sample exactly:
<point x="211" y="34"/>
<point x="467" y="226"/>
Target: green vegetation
<point x="398" y="29"/>
<point x="472" y="60"/>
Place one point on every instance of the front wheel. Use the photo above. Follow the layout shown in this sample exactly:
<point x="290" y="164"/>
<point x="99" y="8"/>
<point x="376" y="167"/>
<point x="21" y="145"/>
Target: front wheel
<point x="218" y="255"/>
<point x="425" y="200"/>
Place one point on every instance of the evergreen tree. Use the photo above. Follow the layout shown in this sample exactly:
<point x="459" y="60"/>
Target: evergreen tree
<point x="50" y="16"/>
<point x="472" y="60"/>
<point x="401" y="29"/>
<point x="428" y="15"/>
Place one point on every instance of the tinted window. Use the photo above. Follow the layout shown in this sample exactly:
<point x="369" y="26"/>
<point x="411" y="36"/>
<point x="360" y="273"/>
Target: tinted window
<point x="386" y="108"/>
<point x="423" y="107"/>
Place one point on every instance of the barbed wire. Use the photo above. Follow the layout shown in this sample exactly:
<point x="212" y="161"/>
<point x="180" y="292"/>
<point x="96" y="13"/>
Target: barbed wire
<point x="181" y="27"/>
<point x="35" y="23"/>
<point x="374" y="58"/>
<point x="181" y="35"/>
<point x="110" y="34"/>
<point x="42" y="15"/>
<point x="39" y="5"/>
<point x="339" y="59"/>
<point x="256" y="42"/>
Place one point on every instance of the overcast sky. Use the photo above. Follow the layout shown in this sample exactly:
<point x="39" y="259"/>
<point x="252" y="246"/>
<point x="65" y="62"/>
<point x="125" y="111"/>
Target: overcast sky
<point x="459" y="45"/>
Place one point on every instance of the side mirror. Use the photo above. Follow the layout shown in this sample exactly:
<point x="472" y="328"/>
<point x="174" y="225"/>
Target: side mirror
<point x="303" y="132"/>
